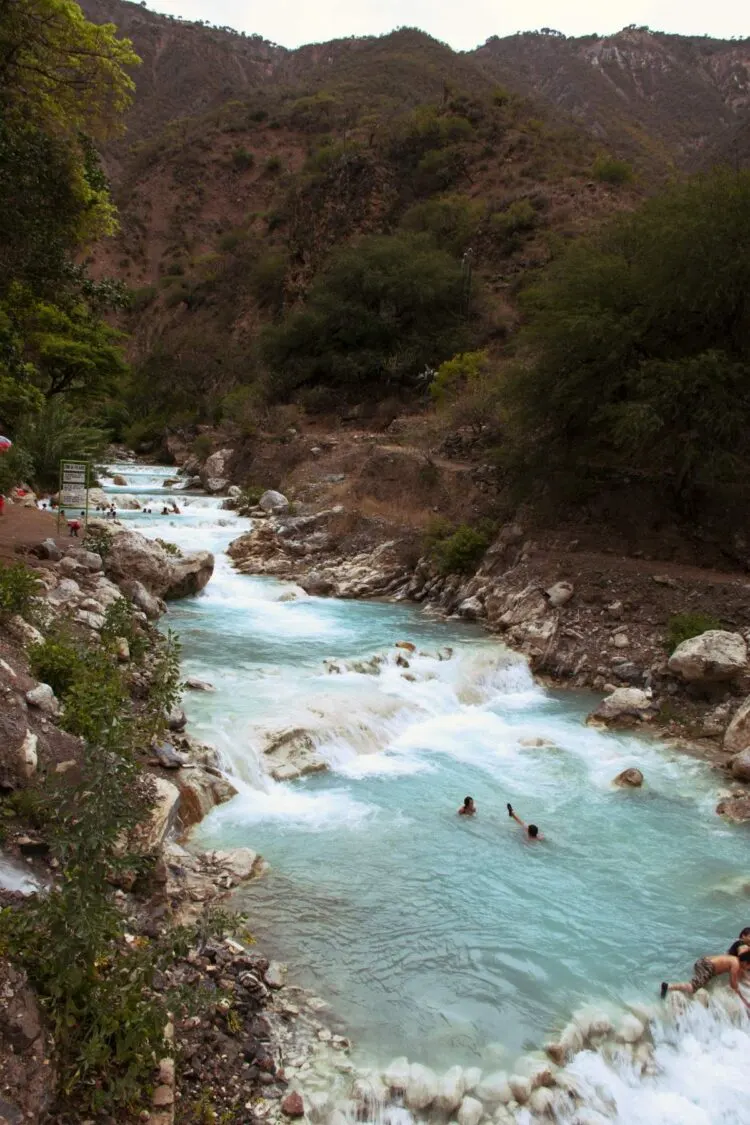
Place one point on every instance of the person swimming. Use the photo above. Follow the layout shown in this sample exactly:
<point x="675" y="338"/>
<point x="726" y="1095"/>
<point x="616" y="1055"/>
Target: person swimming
<point x="468" y="808"/>
<point x="531" y="830"/>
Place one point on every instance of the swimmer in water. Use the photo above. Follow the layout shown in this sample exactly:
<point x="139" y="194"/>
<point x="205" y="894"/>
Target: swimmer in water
<point x="468" y="808"/>
<point x="706" y="968"/>
<point x="531" y="830"/>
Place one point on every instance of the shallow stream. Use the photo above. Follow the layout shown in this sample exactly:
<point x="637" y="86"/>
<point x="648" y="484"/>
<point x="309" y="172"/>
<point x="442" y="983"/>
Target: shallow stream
<point x="441" y="938"/>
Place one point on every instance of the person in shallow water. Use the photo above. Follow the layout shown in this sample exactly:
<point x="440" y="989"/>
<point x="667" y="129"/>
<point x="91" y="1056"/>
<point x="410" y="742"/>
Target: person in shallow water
<point x="743" y="939"/>
<point x="706" y="968"/>
<point x="531" y="830"/>
<point x="468" y="808"/>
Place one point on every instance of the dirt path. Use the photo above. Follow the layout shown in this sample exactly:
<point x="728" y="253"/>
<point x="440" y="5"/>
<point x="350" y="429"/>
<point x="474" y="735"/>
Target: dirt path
<point x="653" y="568"/>
<point x="21" y="528"/>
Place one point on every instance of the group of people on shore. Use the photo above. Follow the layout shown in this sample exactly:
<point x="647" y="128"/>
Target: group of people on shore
<point x="469" y="808"/>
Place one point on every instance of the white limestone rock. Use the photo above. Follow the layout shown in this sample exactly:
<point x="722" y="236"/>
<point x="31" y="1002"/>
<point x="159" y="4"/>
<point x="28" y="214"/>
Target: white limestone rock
<point x="715" y="656"/>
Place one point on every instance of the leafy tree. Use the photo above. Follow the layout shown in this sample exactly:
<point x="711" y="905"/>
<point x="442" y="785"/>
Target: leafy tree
<point x="468" y="391"/>
<point x="66" y="73"/>
<point x="63" y="80"/>
<point x="638" y="343"/>
<point x="376" y="317"/>
<point x="451" y="220"/>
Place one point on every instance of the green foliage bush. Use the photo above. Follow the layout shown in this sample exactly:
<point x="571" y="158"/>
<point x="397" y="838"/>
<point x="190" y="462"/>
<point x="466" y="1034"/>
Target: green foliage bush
<point x="451" y="220"/>
<point x="682" y="626"/>
<point x="242" y="160"/>
<point x="637" y="347"/>
<point x="377" y="316"/>
<point x="170" y="548"/>
<point x="202" y="447"/>
<point x="508" y="225"/>
<point x="273" y="165"/>
<point x="459" y="551"/>
<point x="19" y="589"/>
<point x="610" y="170"/>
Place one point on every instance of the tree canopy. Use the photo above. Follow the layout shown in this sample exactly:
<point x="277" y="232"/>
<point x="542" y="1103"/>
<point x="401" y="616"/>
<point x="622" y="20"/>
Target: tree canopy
<point x="637" y="344"/>
<point x="63" y="83"/>
<point x="377" y="316"/>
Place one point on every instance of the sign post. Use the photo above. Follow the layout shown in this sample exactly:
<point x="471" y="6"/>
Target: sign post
<point x="74" y="490"/>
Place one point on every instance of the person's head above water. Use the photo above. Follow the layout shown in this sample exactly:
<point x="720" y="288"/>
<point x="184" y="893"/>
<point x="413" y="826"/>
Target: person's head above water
<point x="469" y="801"/>
<point x="468" y="808"/>
<point x="745" y="933"/>
<point x="533" y="830"/>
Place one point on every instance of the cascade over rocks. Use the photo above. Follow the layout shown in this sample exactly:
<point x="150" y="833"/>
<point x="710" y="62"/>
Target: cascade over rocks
<point x="715" y="656"/>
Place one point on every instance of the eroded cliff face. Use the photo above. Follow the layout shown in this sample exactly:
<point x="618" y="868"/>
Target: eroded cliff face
<point x="670" y="96"/>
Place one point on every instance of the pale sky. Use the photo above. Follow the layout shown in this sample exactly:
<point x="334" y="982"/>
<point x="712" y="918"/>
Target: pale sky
<point x="462" y="23"/>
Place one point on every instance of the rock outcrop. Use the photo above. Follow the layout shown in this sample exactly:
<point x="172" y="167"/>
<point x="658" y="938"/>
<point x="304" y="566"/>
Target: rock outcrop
<point x="291" y="753"/>
<point x="737" y="734"/>
<point x="624" y="704"/>
<point x="735" y="808"/>
<point x="740" y="766"/>
<point x="132" y="558"/>
<point x="27" y="1073"/>
<point x="715" y="656"/>
<point x="631" y="778"/>
<point x="215" y="472"/>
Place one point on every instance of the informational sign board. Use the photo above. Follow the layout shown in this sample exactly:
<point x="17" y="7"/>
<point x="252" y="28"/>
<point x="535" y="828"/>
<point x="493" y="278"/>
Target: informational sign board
<point x="73" y="497"/>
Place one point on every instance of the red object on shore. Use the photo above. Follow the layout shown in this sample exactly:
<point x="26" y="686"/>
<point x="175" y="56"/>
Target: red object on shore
<point x="2" y="505"/>
<point x="5" y="444"/>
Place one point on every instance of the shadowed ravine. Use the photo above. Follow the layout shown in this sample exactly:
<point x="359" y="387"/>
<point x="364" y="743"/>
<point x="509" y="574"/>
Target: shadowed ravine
<point x="446" y="940"/>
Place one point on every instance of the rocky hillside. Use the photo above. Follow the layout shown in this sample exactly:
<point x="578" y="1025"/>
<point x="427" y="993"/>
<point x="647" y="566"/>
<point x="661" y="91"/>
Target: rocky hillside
<point x="652" y="96"/>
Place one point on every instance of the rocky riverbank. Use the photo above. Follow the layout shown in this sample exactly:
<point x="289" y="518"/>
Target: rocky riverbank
<point x="582" y="620"/>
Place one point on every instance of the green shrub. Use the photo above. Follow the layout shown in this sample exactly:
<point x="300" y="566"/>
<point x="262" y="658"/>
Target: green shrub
<point x="119" y="621"/>
<point x="242" y="160"/>
<point x="229" y="241"/>
<point x="55" y="661"/>
<point x="610" y="170"/>
<point x="19" y="588"/>
<point x="97" y="540"/>
<point x="507" y="226"/>
<point x="682" y="626"/>
<point x="273" y="165"/>
<point x="170" y="548"/>
<point x="462" y="550"/>
<point x="202" y="447"/>
<point x="175" y="269"/>
<point x="87" y="682"/>
<point x="140" y="299"/>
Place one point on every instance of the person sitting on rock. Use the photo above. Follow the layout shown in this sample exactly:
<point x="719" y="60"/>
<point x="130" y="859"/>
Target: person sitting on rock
<point x="706" y="968"/>
<point x="468" y="808"/>
<point x="531" y="830"/>
<point x="743" y="939"/>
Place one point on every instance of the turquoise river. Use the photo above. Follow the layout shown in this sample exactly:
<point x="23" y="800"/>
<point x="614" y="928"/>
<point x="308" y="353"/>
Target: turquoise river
<point x="443" y="939"/>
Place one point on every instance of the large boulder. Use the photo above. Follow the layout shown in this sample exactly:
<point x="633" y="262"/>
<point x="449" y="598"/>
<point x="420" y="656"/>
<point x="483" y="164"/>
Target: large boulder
<point x="274" y="502"/>
<point x="631" y="778"/>
<point x="292" y="752"/>
<point x="152" y="606"/>
<point x="132" y="557"/>
<point x="189" y="574"/>
<point x="215" y="472"/>
<point x="199" y="793"/>
<point x="737" y="734"/>
<point x="740" y="766"/>
<point x="624" y="703"/>
<point x="150" y="836"/>
<point x="736" y="809"/>
<point x="715" y="656"/>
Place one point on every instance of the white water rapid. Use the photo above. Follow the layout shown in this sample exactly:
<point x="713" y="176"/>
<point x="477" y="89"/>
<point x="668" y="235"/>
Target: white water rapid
<point x="454" y="942"/>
